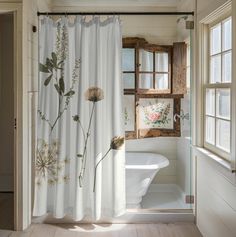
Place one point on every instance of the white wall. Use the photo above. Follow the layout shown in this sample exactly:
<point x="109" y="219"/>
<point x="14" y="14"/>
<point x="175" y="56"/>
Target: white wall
<point x="6" y="103"/>
<point x="215" y="185"/>
<point x="216" y="202"/>
<point x="155" y="29"/>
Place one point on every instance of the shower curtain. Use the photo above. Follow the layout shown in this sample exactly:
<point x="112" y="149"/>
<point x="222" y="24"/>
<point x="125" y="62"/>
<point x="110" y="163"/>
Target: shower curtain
<point x="80" y="160"/>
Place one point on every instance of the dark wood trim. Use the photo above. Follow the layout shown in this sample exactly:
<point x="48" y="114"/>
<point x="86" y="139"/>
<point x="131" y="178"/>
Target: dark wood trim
<point x="129" y="72"/>
<point x="179" y="68"/>
<point x="154" y="95"/>
<point x="129" y="91"/>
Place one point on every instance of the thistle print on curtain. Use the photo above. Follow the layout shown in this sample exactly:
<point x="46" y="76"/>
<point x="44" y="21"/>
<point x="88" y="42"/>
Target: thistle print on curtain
<point x="80" y="160"/>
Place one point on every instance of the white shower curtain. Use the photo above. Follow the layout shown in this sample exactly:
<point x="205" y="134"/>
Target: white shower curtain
<point x="80" y="98"/>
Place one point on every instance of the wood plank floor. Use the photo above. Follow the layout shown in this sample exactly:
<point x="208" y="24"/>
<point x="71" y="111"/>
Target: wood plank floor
<point x="112" y="230"/>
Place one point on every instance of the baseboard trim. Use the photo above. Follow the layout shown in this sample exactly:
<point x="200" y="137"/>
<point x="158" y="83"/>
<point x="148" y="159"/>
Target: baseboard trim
<point x="129" y="217"/>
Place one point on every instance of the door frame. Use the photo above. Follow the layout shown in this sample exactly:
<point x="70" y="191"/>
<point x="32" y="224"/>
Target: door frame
<point x="22" y="164"/>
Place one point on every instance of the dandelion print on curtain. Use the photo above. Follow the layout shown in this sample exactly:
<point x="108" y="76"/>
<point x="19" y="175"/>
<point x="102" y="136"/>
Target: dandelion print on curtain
<point x="80" y="160"/>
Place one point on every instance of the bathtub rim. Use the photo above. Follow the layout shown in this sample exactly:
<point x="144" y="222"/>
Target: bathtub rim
<point x="164" y="162"/>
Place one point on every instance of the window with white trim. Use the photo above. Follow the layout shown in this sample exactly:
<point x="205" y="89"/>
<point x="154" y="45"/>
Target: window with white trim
<point x="218" y="89"/>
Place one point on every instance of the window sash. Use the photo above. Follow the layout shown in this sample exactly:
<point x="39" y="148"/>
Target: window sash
<point x="214" y="148"/>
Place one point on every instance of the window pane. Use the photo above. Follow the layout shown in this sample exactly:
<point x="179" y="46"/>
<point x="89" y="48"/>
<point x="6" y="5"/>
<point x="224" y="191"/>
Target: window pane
<point x="227" y="63"/>
<point x="223" y="134"/>
<point x="188" y="77"/>
<point x="161" y="62"/>
<point x="210" y="102"/>
<point x="129" y="80"/>
<point x="215" y="69"/>
<point x="129" y="112"/>
<point x="145" y="81"/>
<point x="216" y="39"/>
<point x="161" y="81"/>
<point x="210" y="130"/>
<point x="128" y="59"/>
<point x="146" y="60"/>
<point x="227" y="35"/>
<point x="188" y="61"/>
<point x="223" y="103"/>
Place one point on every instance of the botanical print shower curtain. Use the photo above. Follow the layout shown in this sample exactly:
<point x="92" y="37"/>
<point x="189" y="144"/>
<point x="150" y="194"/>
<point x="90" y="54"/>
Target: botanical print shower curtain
<point x="80" y="161"/>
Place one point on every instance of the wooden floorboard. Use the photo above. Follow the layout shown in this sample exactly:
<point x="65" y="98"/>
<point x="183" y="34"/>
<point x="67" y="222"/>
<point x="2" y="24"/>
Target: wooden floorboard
<point x="110" y="230"/>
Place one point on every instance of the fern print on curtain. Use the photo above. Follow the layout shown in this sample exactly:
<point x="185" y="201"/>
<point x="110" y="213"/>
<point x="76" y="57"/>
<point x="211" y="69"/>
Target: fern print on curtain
<point x="80" y="160"/>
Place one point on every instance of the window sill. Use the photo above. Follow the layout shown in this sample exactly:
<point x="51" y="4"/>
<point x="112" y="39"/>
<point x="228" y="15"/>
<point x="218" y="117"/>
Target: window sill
<point x="222" y="162"/>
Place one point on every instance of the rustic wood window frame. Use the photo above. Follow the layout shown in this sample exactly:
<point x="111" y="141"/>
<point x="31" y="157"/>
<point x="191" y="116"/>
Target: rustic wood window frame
<point x="137" y="44"/>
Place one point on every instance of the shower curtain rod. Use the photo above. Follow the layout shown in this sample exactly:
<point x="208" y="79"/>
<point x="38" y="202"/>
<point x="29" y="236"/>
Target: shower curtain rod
<point x="114" y="13"/>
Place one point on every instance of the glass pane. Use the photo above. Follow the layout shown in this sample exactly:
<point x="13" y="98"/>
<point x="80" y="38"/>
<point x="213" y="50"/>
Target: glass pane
<point x="145" y="81"/>
<point x="210" y="130"/>
<point x="223" y="134"/>
<point x="223" y="103"/>
<point x="210" y="102"/>
<point x="161" y="62"/>
<point x="227" y="63"/>
<point x="188" y="77"/>
<point x="146" y="61"/>
<point x="216" y="39"/>
<point x="215" y="69"/>
<point x="188" y="55"/>
<point x="227" y="35"/>
<point x="129" y="80"/>
<point x="129" y="112"/>
<point x="128" y="59"/>
<point x="161" y="81"/>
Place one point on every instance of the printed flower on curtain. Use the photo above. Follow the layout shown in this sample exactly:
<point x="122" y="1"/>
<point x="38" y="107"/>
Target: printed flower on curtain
<point x="54" y="68"/>
<point x="51" y="67"/>
<point x="47" y="164"/>
<point x="117" y="143"/>
<point x="156" y="114"/>
<point x="94" y="95"/>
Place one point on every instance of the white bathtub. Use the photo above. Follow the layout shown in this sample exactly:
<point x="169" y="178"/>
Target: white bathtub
<point x="141" y="168"/>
